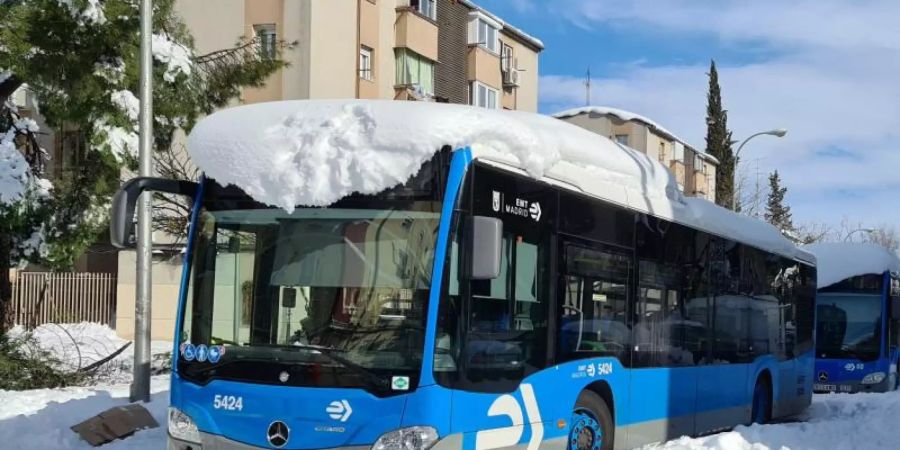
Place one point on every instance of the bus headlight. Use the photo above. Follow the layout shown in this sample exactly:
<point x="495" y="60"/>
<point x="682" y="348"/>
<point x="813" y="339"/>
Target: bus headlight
<point x="873" y="378"/>
<point x="412" y="438"/>
<point x="182" y="427"/>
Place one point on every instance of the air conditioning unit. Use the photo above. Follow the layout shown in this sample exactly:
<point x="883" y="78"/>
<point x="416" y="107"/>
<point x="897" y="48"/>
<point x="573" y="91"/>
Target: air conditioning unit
<point x="511" y="78"/>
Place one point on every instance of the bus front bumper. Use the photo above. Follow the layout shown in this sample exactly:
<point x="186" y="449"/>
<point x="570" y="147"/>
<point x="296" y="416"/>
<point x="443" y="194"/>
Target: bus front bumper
<point x="215" y="442"/>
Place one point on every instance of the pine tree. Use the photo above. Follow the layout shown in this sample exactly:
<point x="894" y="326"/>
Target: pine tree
<point x="718" y="141"/>
<point x="777" y="212"/>
<point x="79" y="60"/>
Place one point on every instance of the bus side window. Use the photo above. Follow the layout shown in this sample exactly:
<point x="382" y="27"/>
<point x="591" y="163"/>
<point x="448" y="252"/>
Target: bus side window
<point x="664" y="334"/>
<point x="594" y="304"/>
<point x="895" y="315"/>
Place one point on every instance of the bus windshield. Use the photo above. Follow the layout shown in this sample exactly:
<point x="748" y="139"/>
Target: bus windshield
<point x="318" y="297"/>
<point x="849" y="326"/>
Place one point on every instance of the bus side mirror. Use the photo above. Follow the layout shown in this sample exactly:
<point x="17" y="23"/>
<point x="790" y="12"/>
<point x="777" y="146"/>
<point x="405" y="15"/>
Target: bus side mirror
<point x="121" y="222"/>
<point x="485" y="247"/>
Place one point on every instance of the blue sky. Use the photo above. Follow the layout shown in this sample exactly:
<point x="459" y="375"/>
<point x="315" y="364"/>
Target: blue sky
<point x="827" y="70"/>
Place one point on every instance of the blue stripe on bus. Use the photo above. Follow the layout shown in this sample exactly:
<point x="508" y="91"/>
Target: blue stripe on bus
<point x="185" y="273"/>
<point x="458" y="165"/>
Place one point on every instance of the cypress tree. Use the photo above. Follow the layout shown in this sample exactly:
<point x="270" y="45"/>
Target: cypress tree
<point x="718" y="141"/>
<point x="777" y="212"/>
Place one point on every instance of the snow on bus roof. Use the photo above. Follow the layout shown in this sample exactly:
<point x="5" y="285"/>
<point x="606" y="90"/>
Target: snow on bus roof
<point x="314" y="152"/>
<point x="838" y="261"/>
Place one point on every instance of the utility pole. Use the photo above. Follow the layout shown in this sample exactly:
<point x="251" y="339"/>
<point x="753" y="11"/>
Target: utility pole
<point x="587" y="88"/>
<point x="140" y="386"/>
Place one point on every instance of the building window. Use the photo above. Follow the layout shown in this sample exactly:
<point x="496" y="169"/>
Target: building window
<point x="415" y="70"/>
<point x="484" y="32"/>
<point x="427" y="8"/>
<point x="662" y="152"/>
<point x="699" y="164"/>
<point x="622" y="139"/>
<point x="484" y="96"/>
<point x="506" y="59"/>
<point x="365" y="63"/>
<point x="267" y="38"/>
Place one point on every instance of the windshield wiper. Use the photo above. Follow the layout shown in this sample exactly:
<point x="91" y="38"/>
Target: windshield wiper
<point x="330" y="352"/>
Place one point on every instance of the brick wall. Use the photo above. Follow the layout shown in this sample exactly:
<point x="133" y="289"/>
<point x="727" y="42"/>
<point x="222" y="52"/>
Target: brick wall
<point x="450" y="76"/>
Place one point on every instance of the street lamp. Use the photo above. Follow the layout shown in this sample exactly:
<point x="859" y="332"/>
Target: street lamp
<point x="865" y="230"/>
<point x="778" y="132"/>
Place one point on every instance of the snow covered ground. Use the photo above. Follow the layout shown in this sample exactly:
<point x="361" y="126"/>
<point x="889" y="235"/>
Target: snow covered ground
<point x="834" y="421"/>
<point x="79" y="345"/>
<point x="40" y="419"/>
<point x="846" y="422"/>
<point x="860" y="421"/>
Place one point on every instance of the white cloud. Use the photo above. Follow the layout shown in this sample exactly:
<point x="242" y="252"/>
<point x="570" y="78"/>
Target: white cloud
<point x="832" y="81"/>
<point x="523" y="6"/>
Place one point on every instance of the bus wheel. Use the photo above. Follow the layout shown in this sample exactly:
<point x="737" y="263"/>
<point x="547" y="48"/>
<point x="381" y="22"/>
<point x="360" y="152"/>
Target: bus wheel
<point x="592" y="425"/>
<point x="762" y="403"/>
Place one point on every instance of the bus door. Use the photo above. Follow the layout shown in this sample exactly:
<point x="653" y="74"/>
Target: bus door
<point x="668" y="341"/>
<point x="723" y="306"/>
<point x="667" y="347"/>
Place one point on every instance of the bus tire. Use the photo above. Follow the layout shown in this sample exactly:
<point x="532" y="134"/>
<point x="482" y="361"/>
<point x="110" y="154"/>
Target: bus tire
<point x="762" y="402"/>
<point x="592" y="424"/>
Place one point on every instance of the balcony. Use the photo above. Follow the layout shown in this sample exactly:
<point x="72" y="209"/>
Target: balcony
<point x="484" y="66"/>
<point x="677" y="168"/>
<point x="701" y="184"/>
<point x="416" y="32"/>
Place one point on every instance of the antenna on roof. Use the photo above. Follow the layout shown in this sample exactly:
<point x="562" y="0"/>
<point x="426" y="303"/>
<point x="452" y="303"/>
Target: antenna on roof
<point x="587" y="88"/>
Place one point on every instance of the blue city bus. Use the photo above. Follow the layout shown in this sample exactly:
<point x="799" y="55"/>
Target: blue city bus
<point x="478" y="307"/>
<point x="858" y="320"/>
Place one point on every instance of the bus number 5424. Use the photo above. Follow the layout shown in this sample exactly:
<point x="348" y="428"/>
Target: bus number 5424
<point x="228" y="402"/>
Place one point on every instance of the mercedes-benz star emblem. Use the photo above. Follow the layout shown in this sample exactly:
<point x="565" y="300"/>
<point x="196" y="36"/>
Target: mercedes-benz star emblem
<point x="278" y="434"/>
<point x="284" y="377"/>
<point x="823" y="376"/>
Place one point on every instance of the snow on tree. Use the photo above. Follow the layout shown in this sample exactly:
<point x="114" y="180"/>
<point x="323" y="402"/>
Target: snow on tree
<point x="719" y="141"/>
<point x="777" y="212"/>
<point x="79" y="60"/>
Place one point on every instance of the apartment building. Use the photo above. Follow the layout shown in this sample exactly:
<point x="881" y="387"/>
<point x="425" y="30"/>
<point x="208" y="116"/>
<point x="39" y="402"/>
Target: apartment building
<point x="433" y="50"/>
<point x="694" y="170"/>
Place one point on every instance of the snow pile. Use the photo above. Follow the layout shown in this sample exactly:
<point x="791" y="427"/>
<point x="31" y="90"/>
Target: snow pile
<point x="40" y="419"/>
<point x="35" y="244"/>
<point x="176" y="56"/>
<point x="121" y="142"/>
<point x="858" y="421"/>
<point x="127" y="103"/>
<point x="80" y="345"/>
<point x="839" y="261"/>
<point x="315" y="152"/>
<point x="712" y="218"/>
<point x="627" y="116"/>
<point x="14" y="169"/>
<point x="112" y="71"/>
<point x="92" y="13"/>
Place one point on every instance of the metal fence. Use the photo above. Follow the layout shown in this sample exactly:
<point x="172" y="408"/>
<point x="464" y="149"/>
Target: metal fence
<point x="62" y="297"/>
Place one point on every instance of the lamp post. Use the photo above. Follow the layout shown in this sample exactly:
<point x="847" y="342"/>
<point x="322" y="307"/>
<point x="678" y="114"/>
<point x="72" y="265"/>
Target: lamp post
<point x="778" y="132"/>
<point x="140" y="386"/>
<point x="865" y="230"/>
